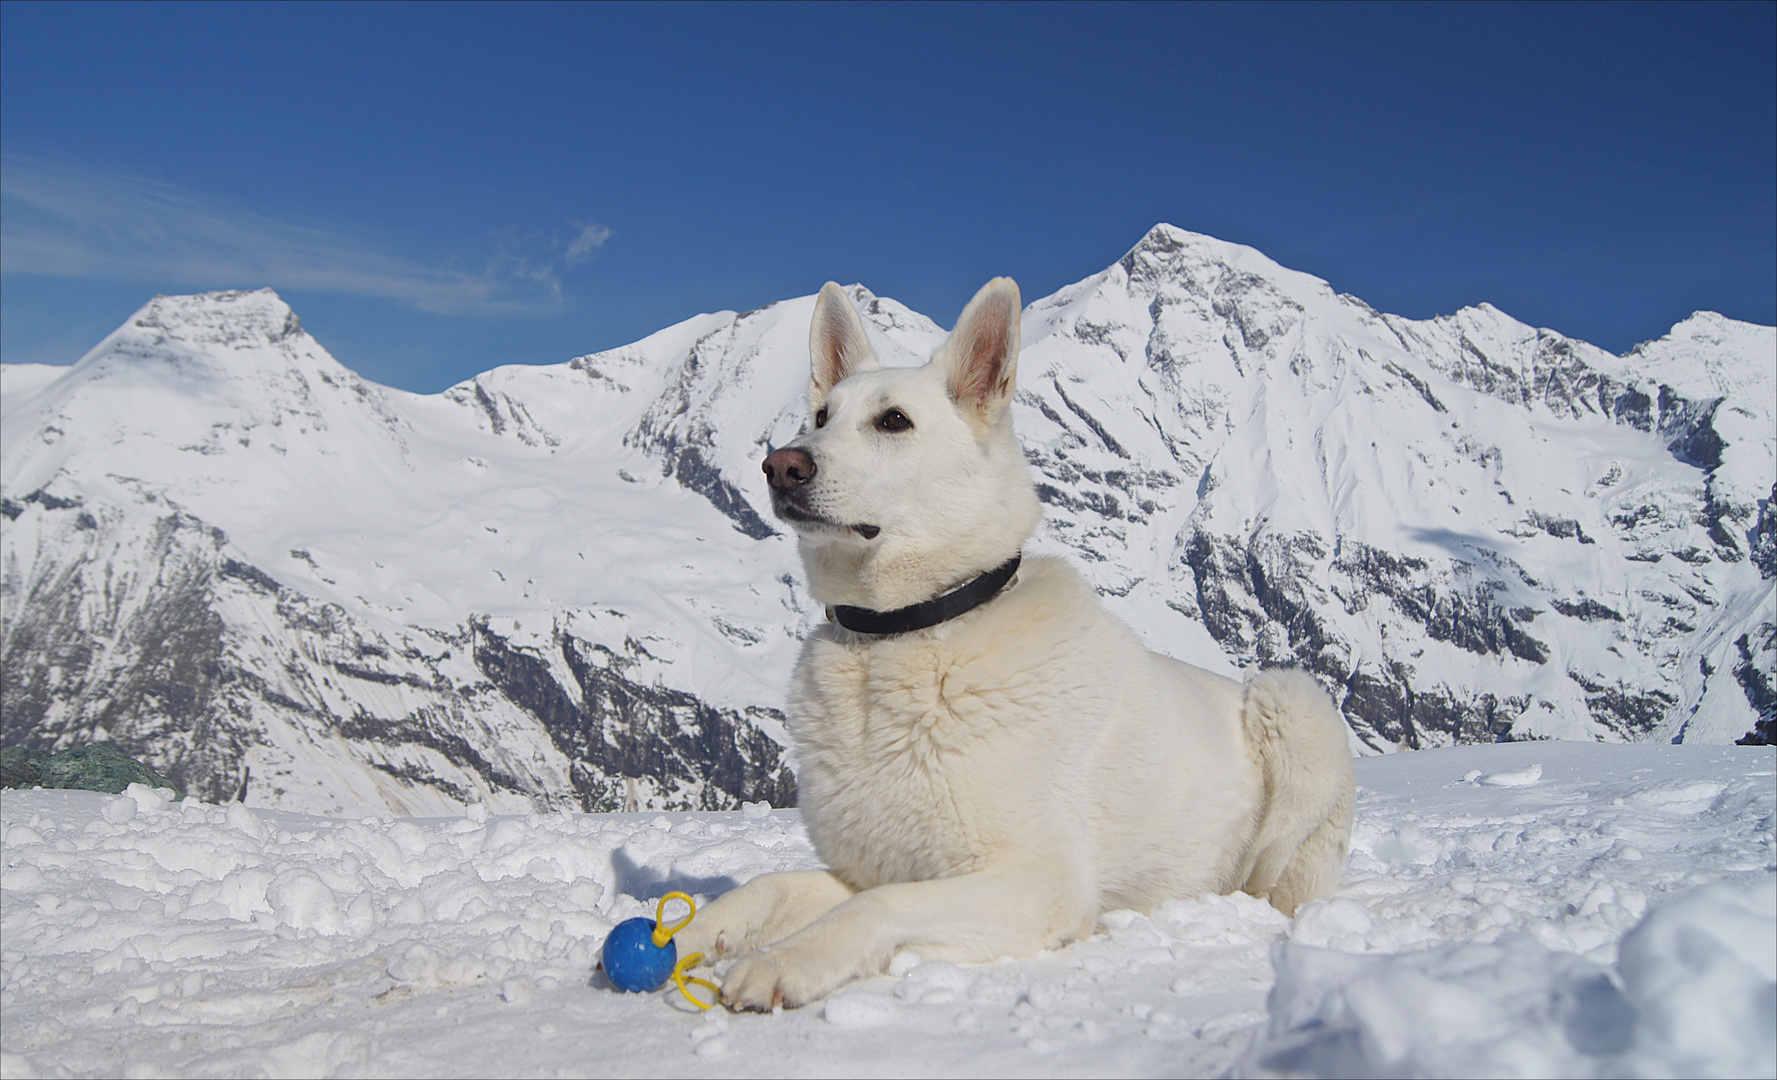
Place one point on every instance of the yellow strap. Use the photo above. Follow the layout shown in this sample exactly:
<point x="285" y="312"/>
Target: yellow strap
<point x="680" y="979"/>
<point x="664" y="933"/>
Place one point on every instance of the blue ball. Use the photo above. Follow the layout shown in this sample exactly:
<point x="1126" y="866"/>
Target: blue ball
<point x="633" y="962"/>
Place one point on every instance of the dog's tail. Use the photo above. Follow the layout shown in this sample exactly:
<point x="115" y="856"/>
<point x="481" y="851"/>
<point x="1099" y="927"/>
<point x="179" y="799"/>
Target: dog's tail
<point x="1304" y="831"/>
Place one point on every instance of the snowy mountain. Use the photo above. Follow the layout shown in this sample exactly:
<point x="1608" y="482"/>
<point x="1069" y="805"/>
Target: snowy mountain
<point x="561" y="586"/>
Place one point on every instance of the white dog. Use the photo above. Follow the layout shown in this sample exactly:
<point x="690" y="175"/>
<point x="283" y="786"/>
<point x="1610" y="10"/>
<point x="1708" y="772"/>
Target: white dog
<point x="989" y="759"/>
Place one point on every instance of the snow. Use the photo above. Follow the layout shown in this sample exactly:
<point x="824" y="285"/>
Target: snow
<point x="1694" y="997"/>
<point x="23" y="380"/>
<point x="1515" y="909"/>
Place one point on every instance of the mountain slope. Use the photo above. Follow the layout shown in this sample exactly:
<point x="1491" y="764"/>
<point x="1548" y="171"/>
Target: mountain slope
<point x="1472" y="526"/>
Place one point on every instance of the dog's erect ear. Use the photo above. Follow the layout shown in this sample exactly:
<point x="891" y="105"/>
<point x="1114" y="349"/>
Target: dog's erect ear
<point x="837" y="346"/>
<point x="980" y="360"/>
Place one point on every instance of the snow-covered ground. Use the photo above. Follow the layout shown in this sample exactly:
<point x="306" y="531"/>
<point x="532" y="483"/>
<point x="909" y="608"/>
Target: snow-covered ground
<point x="1517" y="909"/>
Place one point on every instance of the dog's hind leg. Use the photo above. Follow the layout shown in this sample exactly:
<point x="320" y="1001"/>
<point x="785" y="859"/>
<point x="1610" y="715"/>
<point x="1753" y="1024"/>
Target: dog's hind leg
<point x="766" y="909"/>
<point x="1313" y="871"/>
<point x="1304" y="828"/>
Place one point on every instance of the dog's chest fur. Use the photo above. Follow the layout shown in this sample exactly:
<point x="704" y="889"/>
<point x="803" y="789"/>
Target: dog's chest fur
<point x="929" y="755"/>
<point x="879" y="734"/>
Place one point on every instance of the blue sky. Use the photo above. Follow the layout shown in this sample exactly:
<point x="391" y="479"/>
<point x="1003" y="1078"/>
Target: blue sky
<point x="441" y="189"/>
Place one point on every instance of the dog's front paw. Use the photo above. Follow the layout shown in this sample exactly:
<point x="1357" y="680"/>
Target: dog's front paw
<point x="766" y="979"/>
<point x="754" y="983"/>
<point x="708" y="937"/>
<point x="726" y="926"/>
<point x="766" y="909"/>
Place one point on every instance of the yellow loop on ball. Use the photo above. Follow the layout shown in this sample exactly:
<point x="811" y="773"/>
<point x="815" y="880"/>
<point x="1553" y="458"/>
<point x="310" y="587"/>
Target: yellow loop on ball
<point x="664" y="933"/>
<point x="680" y="979"/>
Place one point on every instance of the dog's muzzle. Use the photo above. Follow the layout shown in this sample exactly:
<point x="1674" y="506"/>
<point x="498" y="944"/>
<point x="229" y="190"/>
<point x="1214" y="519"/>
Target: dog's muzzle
<point x="787" y="469"/>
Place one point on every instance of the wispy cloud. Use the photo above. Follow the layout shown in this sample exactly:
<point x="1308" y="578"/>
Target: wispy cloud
<point x="64" y="222"/>
<point x="590" y="239"/>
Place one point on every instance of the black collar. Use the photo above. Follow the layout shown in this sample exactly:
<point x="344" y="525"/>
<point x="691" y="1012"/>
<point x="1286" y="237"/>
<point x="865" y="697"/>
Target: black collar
<point x="963" y="598"/>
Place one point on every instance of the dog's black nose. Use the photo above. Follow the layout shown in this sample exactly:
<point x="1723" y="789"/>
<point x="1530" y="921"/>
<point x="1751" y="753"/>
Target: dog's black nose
<point x="789" y="468"/>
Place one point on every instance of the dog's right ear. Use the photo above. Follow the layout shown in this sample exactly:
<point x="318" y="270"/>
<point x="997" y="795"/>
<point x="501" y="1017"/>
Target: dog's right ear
<point x="980" y="359"/>
<point x="837" y="346"/>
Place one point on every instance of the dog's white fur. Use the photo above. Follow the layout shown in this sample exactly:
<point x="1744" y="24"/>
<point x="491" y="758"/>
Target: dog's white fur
<point x="987" y="787"/>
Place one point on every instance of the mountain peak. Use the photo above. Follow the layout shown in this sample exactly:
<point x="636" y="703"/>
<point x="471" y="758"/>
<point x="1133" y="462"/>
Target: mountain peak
<point x="1165" y="239"/>
<point x="235" y="317"/>
<point x="1709" y="355"/>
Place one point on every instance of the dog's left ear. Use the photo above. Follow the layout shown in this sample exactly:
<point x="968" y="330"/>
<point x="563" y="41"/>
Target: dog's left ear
<point x="980" y="361"/>
<point x="837" y="346"/>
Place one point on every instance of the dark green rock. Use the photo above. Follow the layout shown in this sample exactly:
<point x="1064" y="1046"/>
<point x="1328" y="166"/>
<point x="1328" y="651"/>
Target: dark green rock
<point x="20" y="766"/>
<point x="83" y="768"/>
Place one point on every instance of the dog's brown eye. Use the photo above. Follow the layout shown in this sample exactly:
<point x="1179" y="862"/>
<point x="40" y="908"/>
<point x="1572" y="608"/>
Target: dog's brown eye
<point x="893" y="420"/>
<point x="820" y="418"/>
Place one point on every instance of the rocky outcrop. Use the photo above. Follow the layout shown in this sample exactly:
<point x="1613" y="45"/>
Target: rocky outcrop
<point x="128" y="651"/>
<point x="1755" y="674"/>
<point x="80" y="768"/>
<point x="154" y="640"/>
<point x="635" y="746"/>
